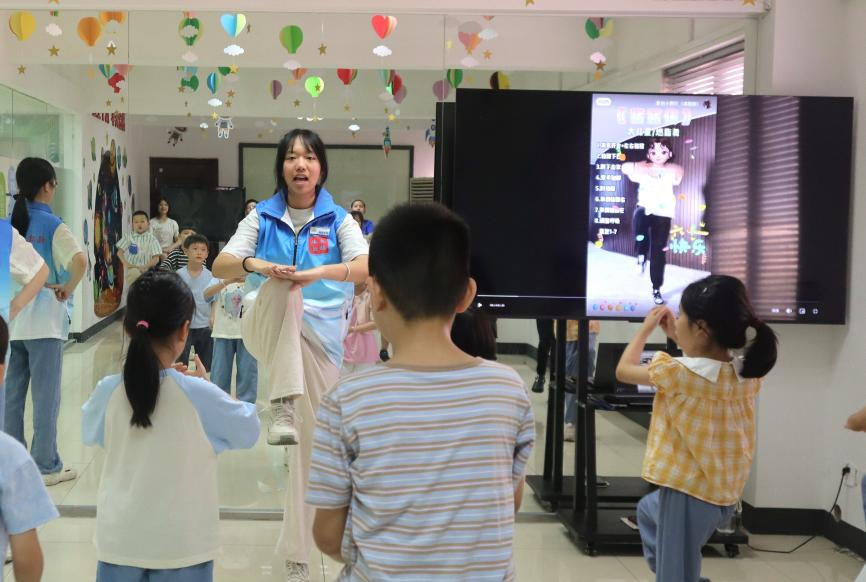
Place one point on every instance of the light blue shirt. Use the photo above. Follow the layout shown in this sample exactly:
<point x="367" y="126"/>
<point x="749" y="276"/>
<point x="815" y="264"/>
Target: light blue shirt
<point x="24" y="502"/>
<point x="227" y="423"/>
<point x="198" y="284"/>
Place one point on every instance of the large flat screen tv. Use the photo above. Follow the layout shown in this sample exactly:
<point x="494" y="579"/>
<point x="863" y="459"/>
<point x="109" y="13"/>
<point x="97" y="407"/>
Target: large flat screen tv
<point x="757" y="187"/>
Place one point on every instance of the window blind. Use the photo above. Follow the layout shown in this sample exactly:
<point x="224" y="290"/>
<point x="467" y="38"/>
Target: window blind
<point x="720" y="72"/>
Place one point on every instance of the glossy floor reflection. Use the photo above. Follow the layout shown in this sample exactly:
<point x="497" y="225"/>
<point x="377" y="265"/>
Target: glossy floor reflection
<point x="255" y="480"/>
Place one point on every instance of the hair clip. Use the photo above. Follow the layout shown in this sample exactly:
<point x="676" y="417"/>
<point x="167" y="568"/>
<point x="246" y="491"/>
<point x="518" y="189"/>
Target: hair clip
<point x="143" y="324"/>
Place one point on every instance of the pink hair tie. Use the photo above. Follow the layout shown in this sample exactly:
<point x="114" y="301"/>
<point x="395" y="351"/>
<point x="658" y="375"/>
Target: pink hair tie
<point x="143" y="324"/>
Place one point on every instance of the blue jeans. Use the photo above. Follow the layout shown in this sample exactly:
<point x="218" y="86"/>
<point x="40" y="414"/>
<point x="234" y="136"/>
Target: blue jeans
<point x="673" y="528"/>
<point x="39" y="360"/>
<point x="113" y="573"/>
<point x="571" y="370"/>
<point x="224" y="353"/>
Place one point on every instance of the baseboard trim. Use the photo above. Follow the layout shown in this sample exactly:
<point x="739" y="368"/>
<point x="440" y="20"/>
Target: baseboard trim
<point x="95" y="329"/>
<point x="516" y="349"/>
<point x="804" y="522"/>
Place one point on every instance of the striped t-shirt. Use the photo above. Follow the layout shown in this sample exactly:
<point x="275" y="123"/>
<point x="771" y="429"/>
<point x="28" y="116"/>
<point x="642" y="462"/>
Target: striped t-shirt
<point x="427" y="460"/>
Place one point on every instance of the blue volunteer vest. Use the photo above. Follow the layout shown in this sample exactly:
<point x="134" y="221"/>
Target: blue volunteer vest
<point x="326" y="303"/>
<point x="5" y="274"/>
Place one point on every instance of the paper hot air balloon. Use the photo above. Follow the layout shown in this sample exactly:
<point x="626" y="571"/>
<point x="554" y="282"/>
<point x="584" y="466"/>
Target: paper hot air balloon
<point x="383" y="25"/>
<point x="469" y="35"/>
<point x="291" y="37"/>
<point x="117" y="17"/>
<point x="299" y="73"/>
<point x="89" y="29"/>
<point x="499" y="81"/>
<point x="233" y="24"/>
<point x="314" y="86"/>
<point x="347" y="75"/>
<point x="189" y="29"/>
<point x="213" y="82"/>
<point x="106" y="70"/>
<point x="441" y="89"/>
<point x="387" y="76"/>
<point x="22" y="25"/>
<point x="396" y="84"/>
<point x="276" y="89"/>
<point x="455" y="77"/>
<point x="400" y="95"/>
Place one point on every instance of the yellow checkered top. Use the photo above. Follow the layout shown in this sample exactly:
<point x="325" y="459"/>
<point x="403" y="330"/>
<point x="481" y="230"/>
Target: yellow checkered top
<point x="702" y="436"/>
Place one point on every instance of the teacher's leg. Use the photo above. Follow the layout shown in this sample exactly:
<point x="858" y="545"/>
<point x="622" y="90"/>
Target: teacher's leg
<point x="46" y="364"/>
<point x="660" y="231"/>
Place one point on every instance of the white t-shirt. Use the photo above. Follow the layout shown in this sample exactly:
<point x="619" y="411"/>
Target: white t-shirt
<point x="165" y="232"/>
<point x="245" y="240"/>
<point x="45" y="317"/>
<point x="227" y="316"/>
<point x="24" y="261"/>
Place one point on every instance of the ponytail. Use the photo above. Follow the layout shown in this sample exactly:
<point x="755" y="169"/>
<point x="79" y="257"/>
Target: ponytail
<point x="32" y="174"/>
<point x="760" y="356"/>
<point x="158" y="305"/>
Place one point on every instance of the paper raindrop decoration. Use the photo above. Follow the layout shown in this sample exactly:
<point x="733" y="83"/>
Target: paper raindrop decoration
<point x="291" y="37"/>
<point x="233" y="24"/>
<point x="276" y="88"/>
<point x="383" y="25"/>
<point x="455" y="77"/>
<point x="89" y="30"/>
<point x="499" y="81"/>
<point x="469" y="35"/>
<point x="441" y="89"/>
<point x="213" y="82"/>
<point x="347" y="75"/>
<point x="22" y="25"/>
<point x="314" y="86"/>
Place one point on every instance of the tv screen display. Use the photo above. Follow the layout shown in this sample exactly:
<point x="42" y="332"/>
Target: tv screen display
<point x="682" y="186"/>
<point x="520" y="184"/>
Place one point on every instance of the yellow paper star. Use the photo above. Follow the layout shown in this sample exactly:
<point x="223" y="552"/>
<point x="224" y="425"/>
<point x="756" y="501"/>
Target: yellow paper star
<point x="22" y="69"/>
<point x="231" y="94"/>
<point x="449" y="44"/>
<point x="228" y="103"/>
<point x="108" y="103"/>
<point x="54" y="51"/>
<point x="392" y="117"/>
<point x="530" y="2"/>
<point x="111" y="49"/>
<point x="347" y="108"/>
<point x="488" y="54"/>
<point x="214" y="115"/>
<point x="233" y="70"/>
<point x="600" y="66"/>
<point x="296" y="103"/>
<point x="323" y="48"/>
<point x="181" y="89"/>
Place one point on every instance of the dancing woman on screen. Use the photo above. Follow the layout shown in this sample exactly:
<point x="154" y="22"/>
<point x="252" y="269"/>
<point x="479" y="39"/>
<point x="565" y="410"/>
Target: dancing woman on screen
<point x="656" y="203"/>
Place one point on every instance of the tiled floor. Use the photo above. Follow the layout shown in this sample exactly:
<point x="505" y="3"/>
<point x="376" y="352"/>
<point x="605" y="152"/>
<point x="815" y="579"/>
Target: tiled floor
<point x="256" y="479"/>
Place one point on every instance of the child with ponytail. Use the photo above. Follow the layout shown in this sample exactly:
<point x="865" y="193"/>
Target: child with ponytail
<point x="702" y="435"/>
<point x="162" y="428"/>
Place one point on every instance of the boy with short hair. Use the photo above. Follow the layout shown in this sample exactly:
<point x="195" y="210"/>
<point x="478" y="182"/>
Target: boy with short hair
<point x="24" y="502"/>
<point x="204" y="289"/>
<point x="138" y="250"/>
<point x="427" y="452"/>
<point x="177" y="258"/>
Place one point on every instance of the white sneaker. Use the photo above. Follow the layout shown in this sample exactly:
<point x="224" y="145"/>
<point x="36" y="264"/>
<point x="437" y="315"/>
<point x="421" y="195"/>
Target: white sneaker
<point x="66" y="474"/>
<point x="569" y="433"/>
<point x="282" y="430"/>
<point x="297" y="572"/>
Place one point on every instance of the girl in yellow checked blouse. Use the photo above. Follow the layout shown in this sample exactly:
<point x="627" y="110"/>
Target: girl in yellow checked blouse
<point x="702" y="436"/>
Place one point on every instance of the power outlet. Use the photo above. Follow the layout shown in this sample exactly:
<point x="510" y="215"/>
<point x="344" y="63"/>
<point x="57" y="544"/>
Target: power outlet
<point x="852" y="479"/>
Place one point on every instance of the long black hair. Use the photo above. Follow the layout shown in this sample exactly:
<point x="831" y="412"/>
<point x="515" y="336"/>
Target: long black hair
<point x="313" y="143"/>
<point x="158" y="305"/>
<point x="474" y="332"/>
<point x="32" y="174"/>
<point x="722" y="303"/>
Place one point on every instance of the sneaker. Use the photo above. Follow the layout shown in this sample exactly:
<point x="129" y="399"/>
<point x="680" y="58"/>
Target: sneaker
<point x="66" y="474"/>
<point x="538" y="385"/>
<point x="384" y="356"/>
<point x="297" y="572"/>
<point x="657" y="297"/>
<point x="568" y="433"/>
<point x="282" y="430"/>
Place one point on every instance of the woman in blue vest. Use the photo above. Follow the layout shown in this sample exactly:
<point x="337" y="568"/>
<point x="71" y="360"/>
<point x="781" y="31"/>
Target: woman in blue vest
<point x="40" y="330"/>
<point x="301" y="235"/>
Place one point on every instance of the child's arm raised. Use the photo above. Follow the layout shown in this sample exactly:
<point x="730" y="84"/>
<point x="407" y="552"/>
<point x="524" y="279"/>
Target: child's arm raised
<point x="629" y="369"/>
<point x="27" y="560"/>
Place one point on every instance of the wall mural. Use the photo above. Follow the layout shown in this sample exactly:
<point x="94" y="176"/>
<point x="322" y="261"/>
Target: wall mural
<point x="107" y="232"/>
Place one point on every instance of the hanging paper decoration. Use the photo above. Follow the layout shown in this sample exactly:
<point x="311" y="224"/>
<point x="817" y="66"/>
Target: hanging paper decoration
<point x="190" y="31"/>
<point x="190" y="78"/>
<point x="455" y="77"/>
<point x="347" y="75"/>
<point x="106" y="70"/>
<point x="175" y="135"/>
<point x="299" y="73"/>
<point x="598" y="27"/>
<point x="499" y="81"/>
<point x="469" y="35"/>
<point x="224" y="126"/>
<point x="387" y="76"/>
<point x="276" y="89"/>
<point x="213" y="82"/>
<point x="314" y="86"/>
<point x="54" y="29"/>
<point x="384" y="25"/>
<point x="233" y="24"/>
<point x="600" y="62"/>
<point x="400" y="94"/>
<point x="291" y="37"/>
<point x="89" y="29"/>
<point x="396" y="84"/>
<point x="22" y="25"/>
<point x="386" y="143"/>
<point x="224" y="70"/>
<point x="441" y="89"/>
<point x="117" y="17"/>
<point x="430" y="135"/>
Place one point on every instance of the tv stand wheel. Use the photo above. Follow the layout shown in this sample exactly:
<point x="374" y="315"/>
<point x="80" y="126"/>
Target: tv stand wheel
<point x="732" y="550"/>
